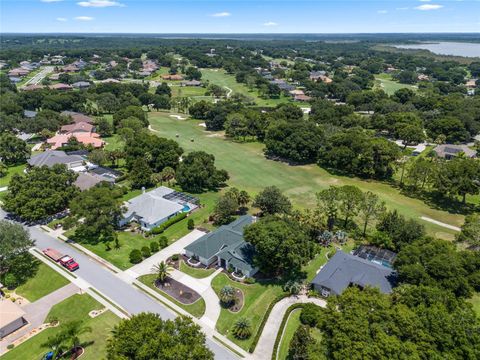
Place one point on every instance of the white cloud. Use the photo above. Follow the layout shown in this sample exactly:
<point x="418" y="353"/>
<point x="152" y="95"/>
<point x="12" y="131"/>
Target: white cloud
<point x="100" y="3"/>
<point x="62" y="19"/>
<point x="427" y="7"/>
<point x="84" y="18"/>
<point x="50" y="1"/>
<point x="221" y="14"/>
<point x="382" y="11"/>
<point x="270" y="23"/>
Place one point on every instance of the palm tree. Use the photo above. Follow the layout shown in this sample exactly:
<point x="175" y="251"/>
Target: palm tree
<point x="167" y="174"/>
<point x="162" y="270"/>
<point x="227" y="295"/>
<point x="72" y="332"/>
<point x="243" y="198"/>
<point x="242" y="329"/>
<point x="56" y="344"/>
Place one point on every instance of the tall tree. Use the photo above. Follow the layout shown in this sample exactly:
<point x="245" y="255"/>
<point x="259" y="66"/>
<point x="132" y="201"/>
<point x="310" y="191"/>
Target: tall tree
<point x="370" y="209"/>
<point x="167" y="339"/>
<point x="271" y="201"/>
<point x="12" y="149"/>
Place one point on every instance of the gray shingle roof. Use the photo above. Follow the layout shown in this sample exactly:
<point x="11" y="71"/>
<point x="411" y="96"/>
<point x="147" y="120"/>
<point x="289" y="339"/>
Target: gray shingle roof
<point x="52" y="157"/>
<point x="151" y="206"/>
<point x="226" y="237"/>
<point x="344" y="269"/>
<point x="453" y="150"/>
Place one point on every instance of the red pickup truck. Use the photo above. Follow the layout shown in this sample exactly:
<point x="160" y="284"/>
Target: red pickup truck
<point x="64" y="260"/>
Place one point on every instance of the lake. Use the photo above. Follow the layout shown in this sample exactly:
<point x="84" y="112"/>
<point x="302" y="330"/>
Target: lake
<point x="447" y="48"/>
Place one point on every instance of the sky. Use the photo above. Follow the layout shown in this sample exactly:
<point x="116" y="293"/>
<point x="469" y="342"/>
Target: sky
<point x="238" y="16"/>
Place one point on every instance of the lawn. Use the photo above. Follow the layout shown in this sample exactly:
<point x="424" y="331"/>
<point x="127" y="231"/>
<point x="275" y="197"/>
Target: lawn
<point x="45" y="281"/>
<point x="387" y="84"/>
<point x="188" y="91"/>
<point x="290" y="327"/>
<point x="17" y="169"/>
<point x="129" y="241"/>
<point x="257" y="297"/>
<point x="113" y="142"/>
<point x="249" y="170"/>
<point x="475" y="301"/>
<point x="196" y="273"/>
<point x="221" y="78"/>
<point x="76" y="307"/>
<point x="196" y="309"/>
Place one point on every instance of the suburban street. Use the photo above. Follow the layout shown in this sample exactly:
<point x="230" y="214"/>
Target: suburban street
<point x="131" y="299"/>
<point x="37" y="78"/>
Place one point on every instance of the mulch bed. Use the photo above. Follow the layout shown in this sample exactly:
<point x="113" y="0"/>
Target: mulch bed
<point x="238" y="302"/>
<point x="178" y="291"/>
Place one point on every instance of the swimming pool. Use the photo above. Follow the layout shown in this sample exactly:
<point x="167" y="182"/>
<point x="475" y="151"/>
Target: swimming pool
<point x="186" y="208"/>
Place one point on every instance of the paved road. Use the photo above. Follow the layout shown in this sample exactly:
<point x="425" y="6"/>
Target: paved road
<point x="124" y="294"/>
<point x="37" y="78"/>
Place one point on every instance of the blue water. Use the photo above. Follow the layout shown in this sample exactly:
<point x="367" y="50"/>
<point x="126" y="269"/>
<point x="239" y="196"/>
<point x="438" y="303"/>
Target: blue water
<point x="447" y="48"/>
<point x="186" y="208"/>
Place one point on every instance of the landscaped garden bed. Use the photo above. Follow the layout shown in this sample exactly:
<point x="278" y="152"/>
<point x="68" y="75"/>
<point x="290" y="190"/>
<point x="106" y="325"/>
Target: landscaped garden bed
<point x="178" y="291"/>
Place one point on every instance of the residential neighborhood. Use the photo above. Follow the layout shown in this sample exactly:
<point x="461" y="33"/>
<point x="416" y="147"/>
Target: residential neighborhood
<point x="248" y="185"/>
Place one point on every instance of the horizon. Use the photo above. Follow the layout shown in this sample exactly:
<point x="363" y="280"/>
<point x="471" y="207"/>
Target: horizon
<point x="239" y="17"/>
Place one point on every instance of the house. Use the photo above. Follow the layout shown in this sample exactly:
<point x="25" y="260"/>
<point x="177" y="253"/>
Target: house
<point x="449" y="151"/>
<point x="296" y="92"/>
<point x="77" y="117"/>
<point x="32" y="87"/>
<point x="172" y="77"/>
<point x="81" y="84"/>
<point x="70" y="68"/>
<point x="315" y="75"/>
<point x="77" y="127"/>
<point x="191" y="83"/>
<point x="87" y="180"/>
<point x="226" y="248"/>
<point x="11" y="317"/>
<point x="471" y="83"/>
<point x="89" y="138"/>
<point x="302" y="97"/>
<point x="152" y="208"/>
<point x="18" y="72"/>
<point x="423" y="77"/>
<point x="52" y="157"/>
<point x="343" y="270"/>
<point x="60" y="86"/>
<point x="29" y="114"/>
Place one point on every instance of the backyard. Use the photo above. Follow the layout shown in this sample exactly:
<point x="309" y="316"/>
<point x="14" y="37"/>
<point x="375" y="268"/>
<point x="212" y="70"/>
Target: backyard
<point x="74" y="308"/>
<point x="18" y="169"/>
<point x="44" y="281"/>
<point x="249" y="170"/>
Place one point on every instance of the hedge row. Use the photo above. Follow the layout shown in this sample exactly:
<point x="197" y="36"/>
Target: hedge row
<point x="162" y="227"/>
<point x="264" y="321"/>
<point x="282" y="327"/>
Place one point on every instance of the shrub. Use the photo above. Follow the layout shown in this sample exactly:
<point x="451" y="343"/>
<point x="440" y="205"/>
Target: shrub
<point x="249" y="280"/>
<point x="68" y="223"/>
<point x="175" y="257"/>
<point x="10" y="346"/>
<point x="135" y="256"/>
<point x="311" y="315"/>
<point x="190" y="224"/>
<point x="163" y="241"/>
<point x="10" y="281"/>
<point x="242" y="329"/>
<point x="154" y="247"/>
<point x="162" y="227"/>
<point x="146" y="252"/>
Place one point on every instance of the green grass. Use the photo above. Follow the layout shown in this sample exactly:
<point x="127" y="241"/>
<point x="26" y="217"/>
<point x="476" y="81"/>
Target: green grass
<point x="387" y="84"/>
<point x="113" y="142"/>
<point x="257" y="299"/>
<point x="45" y="281"/>
<point x="17" y="169"/>
<point x="188" y="91"/>
<point x="290" y="327"/>
<point x="249" y="170"/>
<point x="475" y="301"/>
<point x="196" y="273"/>
<point x="196" y="309"/>
<point x="76" y="307"/>
<point x="221" y="78"/>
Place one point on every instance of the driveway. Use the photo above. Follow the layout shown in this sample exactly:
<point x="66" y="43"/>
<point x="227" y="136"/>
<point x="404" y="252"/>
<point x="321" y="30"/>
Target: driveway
<point x="124" y="294"/>
<point x="145" y="267"/>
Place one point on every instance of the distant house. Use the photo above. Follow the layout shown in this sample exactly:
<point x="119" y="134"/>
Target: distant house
<point x="60" y="86"/>
<point x="77" y="127"/>
<point x="302" y="97"/>
<point x="52" y="157"/>
<point x="344" y="270"/>
<point x="449" y="151"/>
<point x="172" y="77"/>
<point x="315" y="75"/>
<point x="32" y="87"/>
<point x="77" y="117"/>
<point x="423" y="77"/>
<point x="11" y="317"/>
<point x="87" y="180"/>
<point x="226" y="247"/>
<point x="29" y="114"/>
<point x="152" y="208"/>
<point x="81" y="84"/>
<point x="89" y="138"/>
<point x="296" y="92"/>
<point x="19" y="72"/>
<point x="191" y="83"/>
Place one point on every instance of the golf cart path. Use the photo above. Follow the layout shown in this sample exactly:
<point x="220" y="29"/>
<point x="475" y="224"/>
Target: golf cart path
<point x="439" y="223"/>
